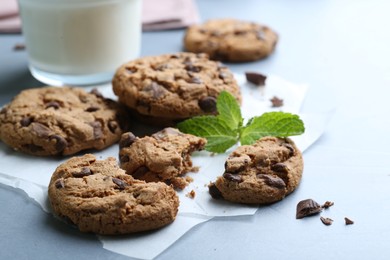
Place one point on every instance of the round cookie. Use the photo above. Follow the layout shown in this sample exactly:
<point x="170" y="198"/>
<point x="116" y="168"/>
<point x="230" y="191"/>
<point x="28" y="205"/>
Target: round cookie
<point x="99" y="197"/>
<point x="262" y="173"/>
<point x="172" y="87"/>
<point x="164" y="156"/>
<point x="61" y="121"/>
<point x="231" y="40"/>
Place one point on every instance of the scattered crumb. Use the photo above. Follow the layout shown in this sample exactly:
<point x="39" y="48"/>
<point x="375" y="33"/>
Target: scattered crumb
<point x="326" y="221"/>
<point x="195" y="169"/>
<point x="276" y="102"/>
<point x="180" y="182"/>
<point x="19" y="47"/>
<point x="327" y="204"/>
<point x="348" y="221"/>
<point x="189" y="179"/>
<point x="191" y="194"/>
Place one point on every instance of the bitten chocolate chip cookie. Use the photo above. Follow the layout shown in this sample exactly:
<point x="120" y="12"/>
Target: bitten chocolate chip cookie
<point x="169" y="88"/>
<point x="164" y="156"/>
<point x="261" y="173"/>
<point x="231" y="40"/>
<point x="99" y="197"/>
<point x="60" y="121"/>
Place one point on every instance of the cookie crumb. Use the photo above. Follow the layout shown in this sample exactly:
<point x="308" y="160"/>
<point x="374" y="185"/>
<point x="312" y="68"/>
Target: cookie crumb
<point x="19" y="47"/>
<point x="327" y="204"/>
<point x="191" y="194"/>
<point x="307" y="208"/>
<point x="326" y="221"/>
<point x="276" y="102"/>
<point x="181" y="182"/>
<point x="348" y="221"/>
<point x="256" y="78"/>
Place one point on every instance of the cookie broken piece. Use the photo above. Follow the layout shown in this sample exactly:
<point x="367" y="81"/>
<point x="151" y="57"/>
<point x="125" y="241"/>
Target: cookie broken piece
<point x="61" y="121"/>
<point x="261" y="173"/>
<point x="99" y="197"/>
<point x="164" y="156"/>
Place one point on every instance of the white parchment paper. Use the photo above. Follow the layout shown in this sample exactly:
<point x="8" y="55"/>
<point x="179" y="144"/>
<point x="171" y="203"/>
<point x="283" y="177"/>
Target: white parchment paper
<point x="32" y="174"/>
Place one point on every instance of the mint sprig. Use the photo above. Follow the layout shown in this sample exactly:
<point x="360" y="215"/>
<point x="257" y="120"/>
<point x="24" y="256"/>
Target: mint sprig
<point x="226" y="129"/>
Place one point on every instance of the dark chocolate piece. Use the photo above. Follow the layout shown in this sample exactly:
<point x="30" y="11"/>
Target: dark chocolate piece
<point x="307" y="208"/>
<point x="255" y="78"/>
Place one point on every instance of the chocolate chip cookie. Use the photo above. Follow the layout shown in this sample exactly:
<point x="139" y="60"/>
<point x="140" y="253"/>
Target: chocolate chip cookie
<point x="169" y="88"/>
<point x="61" y="121"/>
<point x="99" y="197"/>
<point x="164" y="156"/>
<point x="231" y="40"/>
<point x="262" y="173"/>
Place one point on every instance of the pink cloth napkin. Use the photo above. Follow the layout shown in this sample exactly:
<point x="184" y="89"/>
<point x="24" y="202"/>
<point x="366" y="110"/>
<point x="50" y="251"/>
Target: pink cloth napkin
<point x="156" y="15"/>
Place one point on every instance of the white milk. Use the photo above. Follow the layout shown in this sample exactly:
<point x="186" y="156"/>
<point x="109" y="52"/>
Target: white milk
<point x="80" y="41"/>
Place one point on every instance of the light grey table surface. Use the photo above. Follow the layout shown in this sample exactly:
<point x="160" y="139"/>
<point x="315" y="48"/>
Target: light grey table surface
<point x="338" y="47"/>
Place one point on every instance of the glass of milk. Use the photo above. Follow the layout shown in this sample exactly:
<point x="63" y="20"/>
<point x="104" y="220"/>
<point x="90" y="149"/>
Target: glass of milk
<point x="80" y="42"/>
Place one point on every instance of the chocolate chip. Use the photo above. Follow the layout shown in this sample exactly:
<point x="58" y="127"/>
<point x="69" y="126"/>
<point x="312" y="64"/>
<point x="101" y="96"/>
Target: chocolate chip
<point x="140" y="172"/>
<point x="165" y="132"/>
<point x="260" y="35"/>
<point x="279" y="167"/>
<point x="85" y="171"/>
<point x="112" y="125"/>
<point x="124" y="158"/>
<point x="232" y="177"/>
<point x="189" y="66"/>
<point x="175" y="56"/>
<point x="92" y="109"/>
<point x="61" y="142"/>
<point x="327" y="204"/>
<point x="290" y="147"/>
<point x="276" y="102"/>
<point x="161" y="67"/>
<point x="40" y="130"/>
<point x="272" y="181"/>
<point x="131" y="70"/>
<point x="59" y="184"/>
<point x="326" y="221"/>
<point x="223" y="75"/>
<point x="33" y="148"/>
<point x="215" y="33"/>
<point x="96" y="93"/>
<point x="255" y="78"/>
<point x="215" y="192"/>
<point x="208" y="104"/>
<point x="195" y="80"/>
<point x="155" y="90"/>
<point x="348" y="221"/>
<point x="307" y="207"/>
<point x="120" y="183"/>
<point x="53" y="104"/>
<point x="3" y="110"/>
<point x="126" y="140"/>
<point x="240" y="32"/>
<point x="97" y="129"/>
<point x="26" y="121"/>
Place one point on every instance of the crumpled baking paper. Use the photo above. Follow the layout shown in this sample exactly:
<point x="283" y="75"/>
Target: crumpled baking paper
<point x="32" y="174"/>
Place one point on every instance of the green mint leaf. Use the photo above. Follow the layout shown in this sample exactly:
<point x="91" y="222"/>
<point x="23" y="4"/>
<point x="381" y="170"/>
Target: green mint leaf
<point x="277" y="124"/>
<point x="229" y="110"/>
<point x="219" y="136"/>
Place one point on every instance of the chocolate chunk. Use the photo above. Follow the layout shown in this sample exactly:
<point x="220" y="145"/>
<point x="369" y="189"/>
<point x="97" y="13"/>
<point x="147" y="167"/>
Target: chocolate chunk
<point x="189" y="66"/>
<point x="279" y="167"/>
<point x="3" y="110"/>
<point x="26" y="121"/>
<point x="155" y="90"/>
<point x="161" y="67"/>
<point x="140" y="172"/>
<point x="215" y="192"/>
<point x="307" y="207"/>
<point x="126" y="140"/>
<point x="96" y="93"/>
<point x="59" y="184"/>
<point x="290" y="147"/>
<point x="131" y="70"/>
<point x="195" y="80"/>
<point x="240" y="32"/>
<point x="223" y="75"/>
<point x="276" y="102"/>
<point x="124" y="158"/>
<point x="92" y="109"/>
<point x="61" y="142"/>
<point x="53" y="104"/>
<point x="208" y="104"/>
<point x="33" y="148"/>
<point x="175" y="56"/>
<point x="255" y="78"/>
<point x="97" y="129"/>
<point x="120" y="183"/>
<point x="40" y="130"/>
<point x="260" y="35"/>
<point x="348" y="221"/>
<point x="272" y="181"/>
<point x="165" y="132"/>
<point x="112" y="125"/>
<point x="327" y="204"/>
<point x="85" y="171"/>
<point x="326" y="221"/>
<point x="232" y="177"/>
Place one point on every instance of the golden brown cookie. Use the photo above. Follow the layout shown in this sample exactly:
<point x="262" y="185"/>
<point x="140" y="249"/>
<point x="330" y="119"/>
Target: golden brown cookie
<point x="164" y="156"/>
<point x="231" y="40"/>
<point x="99" y="197"/>
<point x="61" y="121"/>
<point x="169" y="88"/>
<point x="262" y="173"/>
